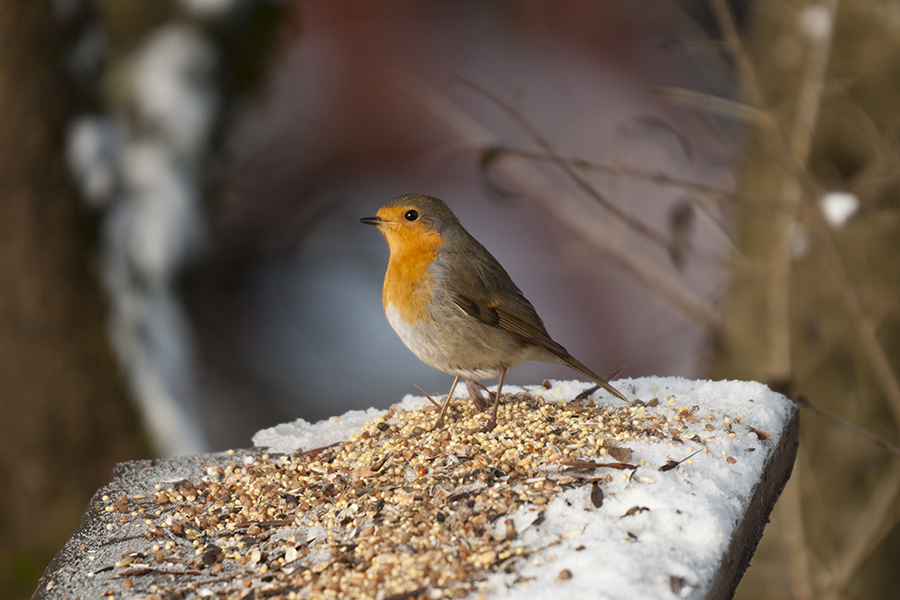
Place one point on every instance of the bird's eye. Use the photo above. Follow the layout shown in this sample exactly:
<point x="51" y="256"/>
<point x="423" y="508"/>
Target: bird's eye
<point x="411" y="215"/>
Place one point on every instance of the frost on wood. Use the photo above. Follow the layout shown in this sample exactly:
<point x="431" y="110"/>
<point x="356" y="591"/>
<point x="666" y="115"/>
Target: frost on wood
<point x="664" y="497"/>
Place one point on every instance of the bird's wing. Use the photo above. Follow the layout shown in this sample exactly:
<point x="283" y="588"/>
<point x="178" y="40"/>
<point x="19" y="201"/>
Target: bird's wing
<point x="516" y="316"/>
<point x="486" y="291"/>
<point x="520" y="319"/>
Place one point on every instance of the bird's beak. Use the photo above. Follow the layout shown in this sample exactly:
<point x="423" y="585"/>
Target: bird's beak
<point x="372" y="221"/>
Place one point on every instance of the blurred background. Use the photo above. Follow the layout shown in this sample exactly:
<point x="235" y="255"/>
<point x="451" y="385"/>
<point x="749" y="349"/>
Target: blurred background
<point x="697" y="188"/>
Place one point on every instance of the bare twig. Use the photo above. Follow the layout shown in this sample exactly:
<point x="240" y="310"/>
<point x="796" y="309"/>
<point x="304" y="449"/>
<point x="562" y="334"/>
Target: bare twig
<point x="636" y="225"/>
<point x="804" y="402"/>
<point x="795" y="536"/>
<point x="654" y="177"/>
<point x="571" y="213"/>
<point x="715" y="105"/>
<point x="873" y="523"/>
<point x="865" y="325"/>
<point x="746" y="72"/>
<point x="784" y="227"/>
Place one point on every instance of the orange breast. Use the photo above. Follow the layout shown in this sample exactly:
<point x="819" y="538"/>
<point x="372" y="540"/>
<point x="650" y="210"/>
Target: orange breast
<point x="408" y="284"/>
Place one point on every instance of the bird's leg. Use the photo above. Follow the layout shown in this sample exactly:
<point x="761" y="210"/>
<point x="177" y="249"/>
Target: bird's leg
<point x="440" y="420"/>
<point x="480" y="403"/>
<point x="493" y="422"/>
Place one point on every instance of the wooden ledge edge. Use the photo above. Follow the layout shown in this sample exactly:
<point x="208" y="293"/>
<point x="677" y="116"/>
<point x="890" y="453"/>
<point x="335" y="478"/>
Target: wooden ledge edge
<point x="746" y="536"/>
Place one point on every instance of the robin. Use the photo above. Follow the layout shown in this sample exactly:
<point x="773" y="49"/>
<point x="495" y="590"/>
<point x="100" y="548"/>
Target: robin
<point x="452" y="303"/>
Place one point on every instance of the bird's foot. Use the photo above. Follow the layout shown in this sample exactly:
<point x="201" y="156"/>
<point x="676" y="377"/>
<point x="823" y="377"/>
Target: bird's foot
<point x="439" y="424"/>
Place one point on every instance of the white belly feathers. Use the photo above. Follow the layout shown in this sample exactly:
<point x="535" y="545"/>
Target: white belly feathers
<point x="480" y="353"/>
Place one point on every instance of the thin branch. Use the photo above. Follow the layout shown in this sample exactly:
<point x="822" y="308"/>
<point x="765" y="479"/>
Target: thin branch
<point x="734" y="42"/>
<point x="715" y="105"/>
<point x="809" y="98"/>
<point x="570" y="212"/>
<point x="865" y="325"/>
<point x="796" y="148"/>
<point x="873" y="523"/>
<point x="653" y="177"/>
<point x="636" y="225"/>
<point x="804" y="402"/>
<point x="795" y="536"/>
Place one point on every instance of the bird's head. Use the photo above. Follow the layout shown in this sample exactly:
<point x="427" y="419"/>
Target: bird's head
<point x="415" y="223"/>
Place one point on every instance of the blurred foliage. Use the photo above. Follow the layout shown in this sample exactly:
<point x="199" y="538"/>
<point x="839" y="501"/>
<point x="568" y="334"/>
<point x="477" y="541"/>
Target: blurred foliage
<point x="834" y="534"/>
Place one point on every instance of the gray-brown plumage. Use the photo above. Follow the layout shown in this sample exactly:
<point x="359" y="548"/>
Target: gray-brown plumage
<point x="454" y="305"/>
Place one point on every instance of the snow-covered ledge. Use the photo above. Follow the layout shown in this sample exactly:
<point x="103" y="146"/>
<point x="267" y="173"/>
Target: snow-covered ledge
<point x="666" y="497"/>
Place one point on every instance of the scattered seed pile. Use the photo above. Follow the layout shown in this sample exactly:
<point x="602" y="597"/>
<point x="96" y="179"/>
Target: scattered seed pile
<point x="397" y="511"/>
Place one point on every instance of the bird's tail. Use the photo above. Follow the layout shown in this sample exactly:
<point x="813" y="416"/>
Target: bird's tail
<point x="574" y="364"/>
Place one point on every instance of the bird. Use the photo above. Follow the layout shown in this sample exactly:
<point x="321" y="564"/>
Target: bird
<point x="452" y="303"/>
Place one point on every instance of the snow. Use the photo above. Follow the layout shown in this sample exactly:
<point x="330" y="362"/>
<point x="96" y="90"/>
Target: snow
<point x="838" y="207"/>
<point x="173" y="87"/>
<point x="674" y="548"/>
<point x="815" y="21"/>
<point x="289" y="437"/>
<point x="93" y="144"/>
<point x="166" y="224"/>
<point x="142" y="163"/>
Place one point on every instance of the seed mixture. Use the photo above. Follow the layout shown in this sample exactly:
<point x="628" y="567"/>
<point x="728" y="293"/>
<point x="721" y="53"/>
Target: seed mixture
<point x="399" y="511"/>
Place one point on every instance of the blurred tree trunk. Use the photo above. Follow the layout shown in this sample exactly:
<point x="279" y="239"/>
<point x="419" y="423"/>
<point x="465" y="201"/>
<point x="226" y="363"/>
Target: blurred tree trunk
<point x="65" y="420"/>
